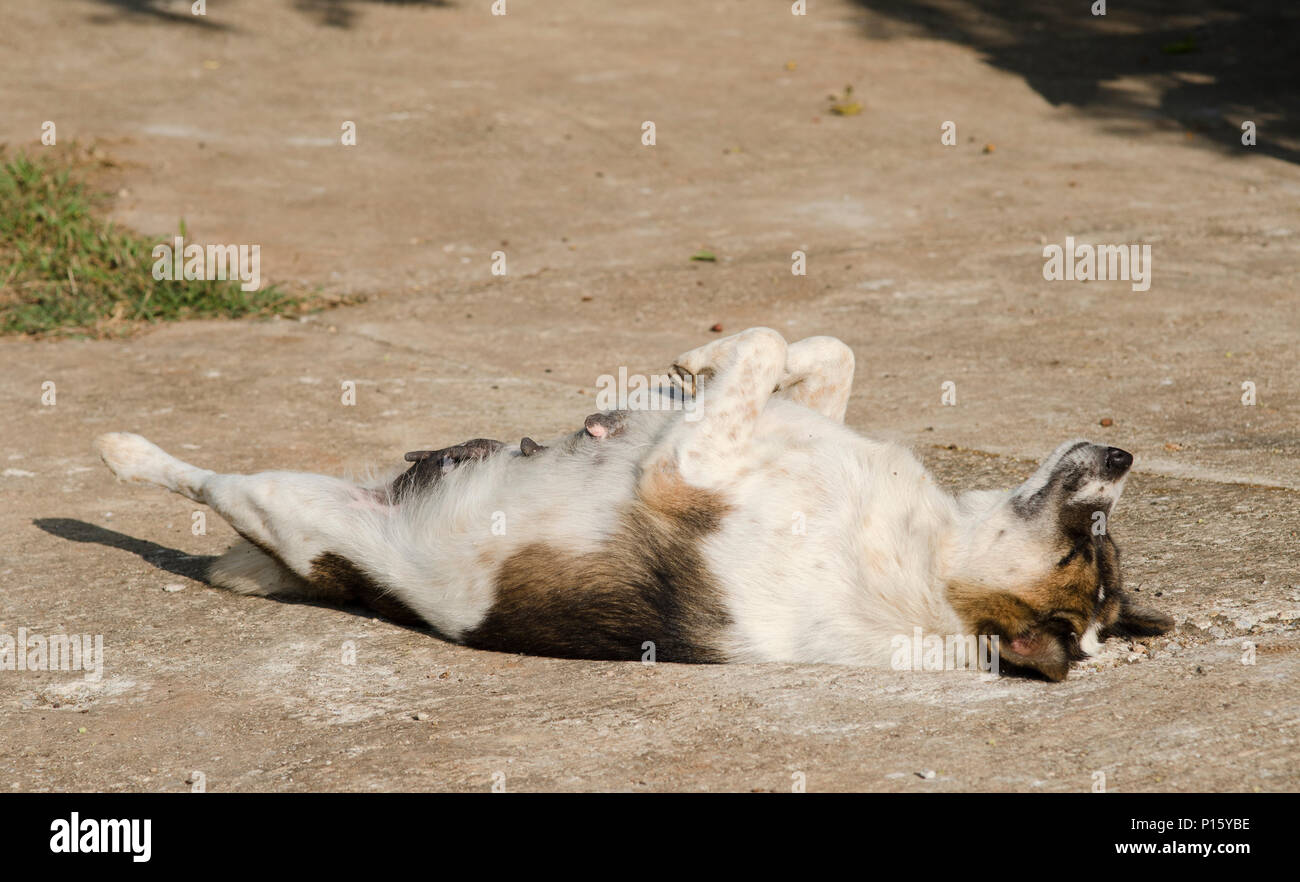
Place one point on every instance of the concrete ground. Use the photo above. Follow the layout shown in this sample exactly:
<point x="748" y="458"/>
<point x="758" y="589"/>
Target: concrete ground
<point x="522" y="133"/>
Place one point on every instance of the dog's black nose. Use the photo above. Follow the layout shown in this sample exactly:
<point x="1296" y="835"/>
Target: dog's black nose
<point x="1118" y="461"/>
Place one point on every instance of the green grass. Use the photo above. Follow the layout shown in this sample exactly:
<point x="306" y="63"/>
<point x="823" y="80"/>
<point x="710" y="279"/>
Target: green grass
<point x="66" y="272"/>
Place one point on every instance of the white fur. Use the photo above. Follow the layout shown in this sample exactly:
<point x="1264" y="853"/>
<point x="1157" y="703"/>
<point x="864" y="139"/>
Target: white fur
<point x="1090" y="642"/>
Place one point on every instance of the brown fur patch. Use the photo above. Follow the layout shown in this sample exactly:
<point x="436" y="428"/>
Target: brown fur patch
<point x="648" y="583"/>
<point x="1039" y="626"/>
<point x="262" y="548"/>
<point x="339" y="577"/>
<point x="1069" y="592"/>
<point x="295" y="585"/>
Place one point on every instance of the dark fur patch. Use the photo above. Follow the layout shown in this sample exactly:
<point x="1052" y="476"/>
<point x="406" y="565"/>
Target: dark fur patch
<point x="341" y="578"/>
<point x="428" y="466"/>
<point x="1040" y="627"/>
<point x="265" y="549"/>
<point x="1133" y="620"/>
<point x="1066" y="476"/>
<point x="649" y="583"/>
<point x="1028" y="640"/>
<point x="1119" y="615"/>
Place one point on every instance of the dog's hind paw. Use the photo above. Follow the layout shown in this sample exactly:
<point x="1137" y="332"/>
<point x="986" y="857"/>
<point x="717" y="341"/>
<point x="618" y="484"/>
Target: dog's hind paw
<point x="133" y="458"/>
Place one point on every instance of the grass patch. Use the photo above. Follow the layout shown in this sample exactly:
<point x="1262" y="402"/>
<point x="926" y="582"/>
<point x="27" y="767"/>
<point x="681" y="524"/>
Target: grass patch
<point x="66" y="272"/>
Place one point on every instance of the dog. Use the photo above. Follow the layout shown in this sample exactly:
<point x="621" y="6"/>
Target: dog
<point x="752" y="526"/>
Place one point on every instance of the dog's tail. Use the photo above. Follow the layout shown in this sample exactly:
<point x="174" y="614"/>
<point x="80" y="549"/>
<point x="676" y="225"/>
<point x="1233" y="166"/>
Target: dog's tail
<point x="247" y="569"/>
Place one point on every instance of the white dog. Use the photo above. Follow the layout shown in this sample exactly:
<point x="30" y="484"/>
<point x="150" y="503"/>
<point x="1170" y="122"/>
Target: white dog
<point x="758" y="529"/>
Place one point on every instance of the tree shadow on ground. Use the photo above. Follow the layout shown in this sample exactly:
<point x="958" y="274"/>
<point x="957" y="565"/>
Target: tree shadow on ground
<point x="1206" y="66"/>
<point x="159" y="10"/>
<point x="331" y="13"/>
<point x="342" y="13"/>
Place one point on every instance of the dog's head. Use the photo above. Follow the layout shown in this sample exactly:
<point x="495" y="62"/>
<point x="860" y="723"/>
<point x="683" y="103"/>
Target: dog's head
<point x="1037" y="567"/>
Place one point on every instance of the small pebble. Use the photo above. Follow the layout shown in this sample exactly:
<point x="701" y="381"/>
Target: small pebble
<point x="717" y="329"/>
<point x="1107" y="421"/>
<point x="421" y="716"/>
<point x="927" y="774"/>
<point x="172" y="587"/>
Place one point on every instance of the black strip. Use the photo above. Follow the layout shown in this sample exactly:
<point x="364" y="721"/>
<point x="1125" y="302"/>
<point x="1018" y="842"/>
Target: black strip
<point x="306" y="833"/>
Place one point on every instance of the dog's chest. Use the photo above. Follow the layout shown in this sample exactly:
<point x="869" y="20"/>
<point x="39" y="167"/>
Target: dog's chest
<point x="830" y="545"/>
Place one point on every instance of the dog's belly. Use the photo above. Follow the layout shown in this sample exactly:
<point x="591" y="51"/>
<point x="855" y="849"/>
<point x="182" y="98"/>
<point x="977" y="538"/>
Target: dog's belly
<point x="817" y="552"/>
<point x="573" y="552"/>
<point x="503" y="549"/>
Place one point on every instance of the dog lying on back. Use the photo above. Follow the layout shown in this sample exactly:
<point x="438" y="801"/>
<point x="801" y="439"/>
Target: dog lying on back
<point x="758" y="529"/>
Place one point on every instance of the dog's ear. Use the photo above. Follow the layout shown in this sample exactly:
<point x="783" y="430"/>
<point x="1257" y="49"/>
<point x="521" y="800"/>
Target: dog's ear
<point x="1025" y="640"/>
<point x="1137" y="621"/>
<point x="1039" y="649"/>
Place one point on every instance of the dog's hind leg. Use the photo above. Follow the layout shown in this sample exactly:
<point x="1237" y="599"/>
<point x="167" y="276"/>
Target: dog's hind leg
<point x="312" y="529"/>
<point x="818" y="375"/>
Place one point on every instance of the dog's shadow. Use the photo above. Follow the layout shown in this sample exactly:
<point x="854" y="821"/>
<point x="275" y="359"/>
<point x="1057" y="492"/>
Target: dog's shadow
<point x="160" y="556"/>
<point x="191" y="566"/>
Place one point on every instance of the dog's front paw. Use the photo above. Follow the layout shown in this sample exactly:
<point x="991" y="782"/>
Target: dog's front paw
<point x="759" y="345"/>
